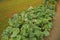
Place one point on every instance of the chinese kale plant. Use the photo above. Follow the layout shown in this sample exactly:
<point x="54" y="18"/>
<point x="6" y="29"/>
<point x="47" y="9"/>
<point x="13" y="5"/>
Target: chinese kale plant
<point x="32" y="24"/>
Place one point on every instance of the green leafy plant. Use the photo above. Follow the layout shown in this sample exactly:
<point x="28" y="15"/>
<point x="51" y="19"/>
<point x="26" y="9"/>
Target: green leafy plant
<point x="32" y="24"/>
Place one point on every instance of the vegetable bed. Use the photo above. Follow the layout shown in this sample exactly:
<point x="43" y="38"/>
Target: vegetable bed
<point x="31" y="24"/>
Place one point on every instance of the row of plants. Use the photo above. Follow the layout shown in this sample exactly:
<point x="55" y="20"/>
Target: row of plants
<point x="31" y="24"/>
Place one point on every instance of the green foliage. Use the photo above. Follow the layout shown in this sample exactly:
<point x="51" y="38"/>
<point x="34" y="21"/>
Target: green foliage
<point x="32" y="24"/>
